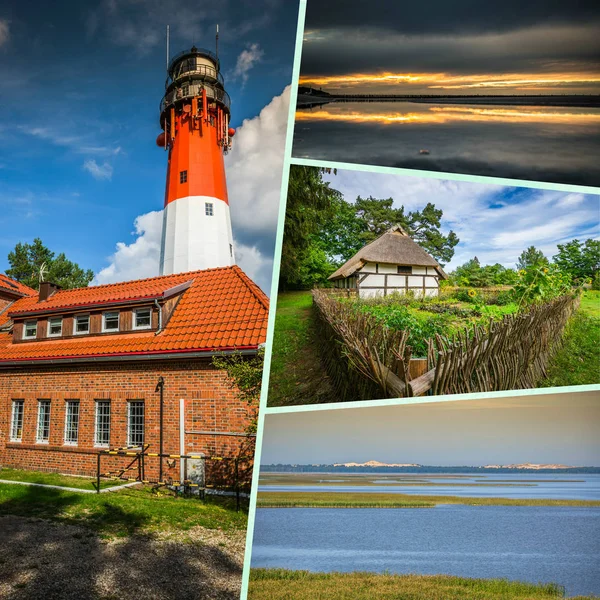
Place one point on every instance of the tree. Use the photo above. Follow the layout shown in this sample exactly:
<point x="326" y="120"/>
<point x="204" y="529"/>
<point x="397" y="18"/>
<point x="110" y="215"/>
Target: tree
<point x="530" y="258"/>
<point x="580" y="260"/>
<point x="26" y="262"/>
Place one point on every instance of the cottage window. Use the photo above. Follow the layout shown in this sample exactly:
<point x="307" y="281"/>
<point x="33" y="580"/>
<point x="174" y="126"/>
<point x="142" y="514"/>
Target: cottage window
<point x="30" y="330"/>
<point x="43" y="423"/>
<point x="72" y="422"/>
<point x="402" y="270"/>
<point x="55" y="326"/>
<point x="142" y="318"/>
<point x="82" y="324"/>
<point x="182" y="176"/>
<point x="16" y="421"/>
<point x="110" y="321"/>
<point x="102" y="431"/>
<point x="208" y="209"/>
<point x="135" y="423"/>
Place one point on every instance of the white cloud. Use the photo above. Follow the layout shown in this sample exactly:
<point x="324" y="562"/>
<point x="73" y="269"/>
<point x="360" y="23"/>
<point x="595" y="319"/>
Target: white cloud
<point x="138" y="259"/>
<point x="254" y="170"/>
<point x="103" y="171"/>
<point x="246" y="60"/>
<point x="4" y="32"/>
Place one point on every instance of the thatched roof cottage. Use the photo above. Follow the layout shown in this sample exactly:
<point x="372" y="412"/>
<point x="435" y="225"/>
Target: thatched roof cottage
<point x="391" y="263"/>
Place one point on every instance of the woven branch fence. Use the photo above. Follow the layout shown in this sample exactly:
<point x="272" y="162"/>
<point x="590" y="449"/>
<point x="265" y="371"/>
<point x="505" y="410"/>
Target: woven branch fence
<point x="367" y="360"/>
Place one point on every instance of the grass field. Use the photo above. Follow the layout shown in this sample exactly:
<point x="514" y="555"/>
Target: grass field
<point x="280" y="584"/>
<point x="82" y="483"/>
<point x="578" y="360"/>
<point x="297" y="376"/>
<point x="383" y="500"/>
<point x="121" y="513"/>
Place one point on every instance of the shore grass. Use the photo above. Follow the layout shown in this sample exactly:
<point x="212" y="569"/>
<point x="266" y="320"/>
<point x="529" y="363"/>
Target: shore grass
<point x="384" y="500"/>
<point x="576" y="362"/>
<point x="280" y="584"/>
<point x="81" y="483"/>
<point x="297" y="376"/>
<point x="123" y="512"/>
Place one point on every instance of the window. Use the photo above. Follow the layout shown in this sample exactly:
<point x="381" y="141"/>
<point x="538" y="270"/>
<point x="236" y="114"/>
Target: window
<point x="102" y="431"/>
<point x="110" y="321"/>
<point x="231" y="250"/>
<point x="142" y="318"/>
<point x="30" y="330"/>
<point x="82" y="324"/>
<point x="135" y="423"/>
<point x="55" y="326"/>
<point x="208" y="209"/>
<point x="404" y="270"/>
<point x="182" y="176"/>
<point x="72" y="422"/>
<point x="16" y="421"/>
<point x="43" y="423"/>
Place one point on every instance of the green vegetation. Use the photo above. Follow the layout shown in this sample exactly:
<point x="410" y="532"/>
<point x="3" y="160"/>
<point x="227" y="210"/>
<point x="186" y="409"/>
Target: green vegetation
<point x="384" y="500"/>
<point x="82" y="483"/>
<point x="280" y="584"/>
<point x="27" y="261"/>
<point x="577" y="362"/>
<point x="296" y="372"/>
<point x="123" y="512"/>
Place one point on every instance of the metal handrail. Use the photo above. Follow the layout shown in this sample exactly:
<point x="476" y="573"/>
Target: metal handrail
<point x="218" y="94"/>
<point x="196" y="52"/>
<point x="194" y="69"/>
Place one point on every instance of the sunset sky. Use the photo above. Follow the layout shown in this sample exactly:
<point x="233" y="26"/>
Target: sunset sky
<point x="441" y="47"/>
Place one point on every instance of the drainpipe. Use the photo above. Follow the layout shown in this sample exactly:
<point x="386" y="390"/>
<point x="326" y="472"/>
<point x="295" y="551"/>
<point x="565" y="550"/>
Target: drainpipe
<point x="160" y="323"/>
<point x="160" y="387"/>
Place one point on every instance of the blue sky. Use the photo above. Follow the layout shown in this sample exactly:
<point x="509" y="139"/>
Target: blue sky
<point x="80" y="89"/>
<point x="493" y="222"/>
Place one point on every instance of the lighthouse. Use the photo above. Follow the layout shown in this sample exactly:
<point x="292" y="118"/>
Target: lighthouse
<point x="194" y="116"/>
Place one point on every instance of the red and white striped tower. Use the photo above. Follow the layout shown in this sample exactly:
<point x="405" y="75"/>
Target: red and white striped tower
<point x="194" y="116"/>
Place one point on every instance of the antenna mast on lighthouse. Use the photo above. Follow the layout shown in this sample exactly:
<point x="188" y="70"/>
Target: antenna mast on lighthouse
<point x="194" y="116"/>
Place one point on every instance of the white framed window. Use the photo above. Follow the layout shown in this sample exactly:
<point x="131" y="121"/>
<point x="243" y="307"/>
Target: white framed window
<point x="142" y="318"/>
<point x="208" y="209"/>
<point x="55" y="326"/>
<point x="81" y="324"/>
<point x="43" y="423"/>
<point x="16" y="420"/>
<point x="135" y="422"/>
<point x="72" y="422"/>
<point x="102" y="428"/>
<point x="110" y="321"/>
<point x="30" y="330"/>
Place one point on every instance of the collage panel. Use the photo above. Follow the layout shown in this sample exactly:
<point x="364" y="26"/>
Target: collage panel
<point x="491" y="498"/>
<point x="394" y="285"/>
<point x="506" y="91"/>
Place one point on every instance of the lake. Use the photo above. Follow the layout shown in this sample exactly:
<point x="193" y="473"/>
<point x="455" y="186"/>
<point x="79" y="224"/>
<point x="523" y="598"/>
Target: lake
<point x="541" y="143"/>
<point x="535" y="544"/>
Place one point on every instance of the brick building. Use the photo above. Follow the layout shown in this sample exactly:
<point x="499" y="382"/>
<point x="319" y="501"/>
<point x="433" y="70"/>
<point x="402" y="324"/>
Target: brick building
<point x="80" y="369"/>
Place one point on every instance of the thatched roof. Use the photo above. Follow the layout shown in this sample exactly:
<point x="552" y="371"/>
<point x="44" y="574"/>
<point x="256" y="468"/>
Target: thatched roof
<point x="394" y="247"/>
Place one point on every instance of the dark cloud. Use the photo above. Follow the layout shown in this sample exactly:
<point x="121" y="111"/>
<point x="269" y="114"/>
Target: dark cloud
<point x="448" y="17"/>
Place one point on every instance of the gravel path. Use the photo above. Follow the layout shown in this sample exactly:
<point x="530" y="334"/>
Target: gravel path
<point x="43" y="559"/>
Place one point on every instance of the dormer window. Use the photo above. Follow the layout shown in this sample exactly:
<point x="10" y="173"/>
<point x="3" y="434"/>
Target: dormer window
<point x="142" y="318"/>
<point x="110" y="321"/>
<point x="82" y="324"/>
<point x="30" y="330"/>
<point x="55" y="326"/>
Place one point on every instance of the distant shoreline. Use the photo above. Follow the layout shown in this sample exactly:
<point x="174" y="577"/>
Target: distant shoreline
<point x="312" y="100"/>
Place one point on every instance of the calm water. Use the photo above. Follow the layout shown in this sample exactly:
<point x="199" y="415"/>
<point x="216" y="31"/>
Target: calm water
<point x="521" y="485"/>
<point x="553" y="144"/>
<point x="535" y="544"/>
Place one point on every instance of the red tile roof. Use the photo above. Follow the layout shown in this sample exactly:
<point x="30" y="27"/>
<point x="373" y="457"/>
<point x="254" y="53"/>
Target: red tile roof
<point x="221" y="310"/>
<point x="14" y="287"/>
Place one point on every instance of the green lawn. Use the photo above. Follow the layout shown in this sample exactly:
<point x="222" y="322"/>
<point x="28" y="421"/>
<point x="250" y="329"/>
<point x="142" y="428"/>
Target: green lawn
<point x="578" y="360"/>
<point x="121" y="513"/>
<point x="297" y="376"/>
<point x="281" y="584"/>
<point x="82" y="483"/>
<point x="384" y="500"/>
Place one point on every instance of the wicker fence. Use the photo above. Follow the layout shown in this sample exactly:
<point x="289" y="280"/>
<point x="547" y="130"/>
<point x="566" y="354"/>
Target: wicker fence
<point x="367" y="360"/>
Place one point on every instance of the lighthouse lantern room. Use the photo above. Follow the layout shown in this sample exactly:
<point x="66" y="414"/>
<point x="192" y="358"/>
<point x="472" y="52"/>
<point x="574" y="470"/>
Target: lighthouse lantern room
<point x="194" y="116"/>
